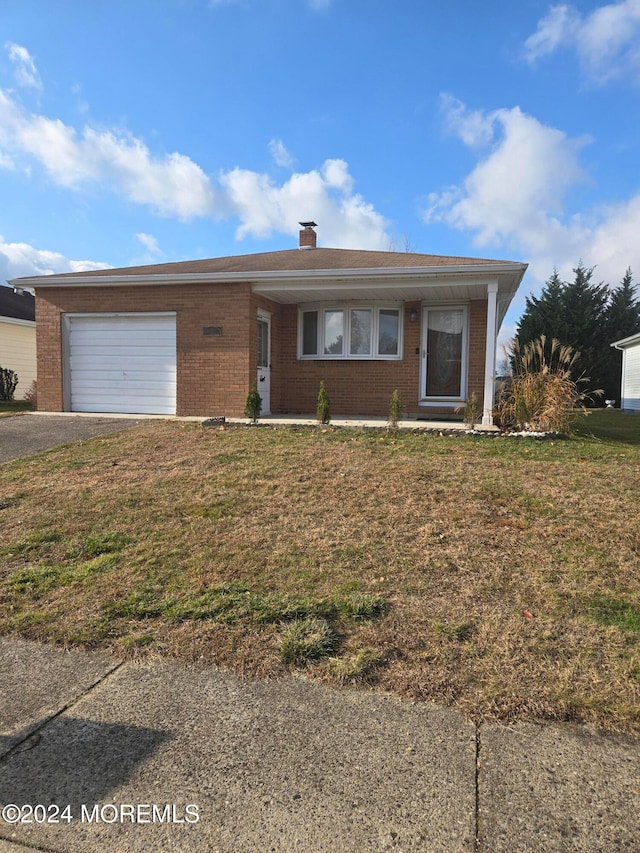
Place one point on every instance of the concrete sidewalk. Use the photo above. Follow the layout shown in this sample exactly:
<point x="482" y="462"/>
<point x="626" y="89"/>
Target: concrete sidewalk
<point x="233" y="765"/>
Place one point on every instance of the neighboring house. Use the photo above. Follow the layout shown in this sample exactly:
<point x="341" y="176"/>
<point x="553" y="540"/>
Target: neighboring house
<point x="189" y="338"/>
<point x="18" y="337"/>
<point x="630" y="390"/>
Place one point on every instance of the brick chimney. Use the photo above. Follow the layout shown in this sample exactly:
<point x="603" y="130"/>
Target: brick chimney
<point x="308" y="236"/>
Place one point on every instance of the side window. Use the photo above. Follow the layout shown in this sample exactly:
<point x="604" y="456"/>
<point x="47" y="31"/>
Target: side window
<point x="389" y="332"/>
<point x="310" y="333"/>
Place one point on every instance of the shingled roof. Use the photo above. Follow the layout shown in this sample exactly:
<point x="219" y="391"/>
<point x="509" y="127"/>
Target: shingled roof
<point x="16" y="306"/>
<point x="289" y="260"/>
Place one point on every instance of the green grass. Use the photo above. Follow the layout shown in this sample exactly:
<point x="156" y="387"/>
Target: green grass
<point x="306" y="641"/>
<point x="609" y="425"/>
<point x="616" y="611"/>
<point x="403" y="561"/>
<point x="14" y="407"/>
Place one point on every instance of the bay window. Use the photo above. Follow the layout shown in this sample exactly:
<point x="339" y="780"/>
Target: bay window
<point x="353" y="331"/>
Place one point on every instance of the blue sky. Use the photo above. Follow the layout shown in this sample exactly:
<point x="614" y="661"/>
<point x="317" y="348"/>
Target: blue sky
<point x="144" y="131"/>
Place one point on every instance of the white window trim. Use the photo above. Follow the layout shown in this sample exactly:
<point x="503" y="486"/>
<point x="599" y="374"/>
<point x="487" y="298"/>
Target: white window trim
<point x="443" y="401"/>
<point x="346" y="308"/>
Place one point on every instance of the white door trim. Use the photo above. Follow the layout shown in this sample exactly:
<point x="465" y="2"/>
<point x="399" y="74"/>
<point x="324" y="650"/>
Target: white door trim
<point x="264" y="371"/>
<point x="464" y="367"/>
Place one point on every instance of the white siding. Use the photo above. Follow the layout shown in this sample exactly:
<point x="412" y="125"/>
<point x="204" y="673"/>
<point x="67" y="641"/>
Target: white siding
<point x="18" y="351"/>
<point x="631" y="377"/>
<point x="122" y="363"/>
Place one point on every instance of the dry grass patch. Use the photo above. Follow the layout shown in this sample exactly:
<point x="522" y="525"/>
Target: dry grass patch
<point x="497" y="574"/>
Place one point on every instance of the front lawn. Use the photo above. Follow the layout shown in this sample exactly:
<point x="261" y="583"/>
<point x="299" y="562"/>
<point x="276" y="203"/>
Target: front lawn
<point x="14" y="407"/>
<point x="497" y="574"/>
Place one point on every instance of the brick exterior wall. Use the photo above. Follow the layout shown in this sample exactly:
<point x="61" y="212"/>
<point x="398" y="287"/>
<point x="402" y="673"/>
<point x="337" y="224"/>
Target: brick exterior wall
<point x="215" y="373"/>
<point x="365" y="387"/>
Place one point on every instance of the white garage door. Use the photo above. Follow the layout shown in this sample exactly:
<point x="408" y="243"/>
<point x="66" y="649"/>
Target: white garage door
<point x="123" y="363"/>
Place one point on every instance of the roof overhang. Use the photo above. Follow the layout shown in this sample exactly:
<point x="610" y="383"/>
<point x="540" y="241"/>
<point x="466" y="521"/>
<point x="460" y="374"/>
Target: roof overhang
<point x="450" y="283"/>
<point x="626" y="342"/>
<point x="16" y="321"/>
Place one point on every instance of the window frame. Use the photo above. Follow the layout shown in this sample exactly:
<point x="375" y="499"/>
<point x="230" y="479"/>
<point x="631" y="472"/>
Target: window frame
<point x="321" y="309"/>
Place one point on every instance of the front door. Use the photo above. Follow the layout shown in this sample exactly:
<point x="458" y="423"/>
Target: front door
<point x="264" y="361"/>
<point x="444" y="353"/>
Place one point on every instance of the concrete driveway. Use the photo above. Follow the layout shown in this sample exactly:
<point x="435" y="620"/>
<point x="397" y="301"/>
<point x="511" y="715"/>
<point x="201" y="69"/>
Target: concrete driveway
<point x="24" y="435"/>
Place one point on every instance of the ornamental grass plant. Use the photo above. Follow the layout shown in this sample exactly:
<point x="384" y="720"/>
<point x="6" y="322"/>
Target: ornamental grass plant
<point x="543" y="394"/>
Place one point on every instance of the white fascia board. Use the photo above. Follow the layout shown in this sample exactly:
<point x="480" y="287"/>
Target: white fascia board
<point x="14" y="321"/>
<point x="485" y="272"/>
<point x="626" y="342"/>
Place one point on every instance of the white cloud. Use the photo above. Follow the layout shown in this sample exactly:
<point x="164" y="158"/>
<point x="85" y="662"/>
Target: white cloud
<point x="25" y="72"/>
<point x="174" y="185"/>
<point x="517" y="198"/>
<point x="606" y="40"/>
<point x="21" y="259"/>
<point x="518" y="185"/>
<point x="280" y="154"/>
<point x="150" y="243"/>
<point x="171" y="185"/>
<point x="472" y="126"/>
<point x="324" y="195"/>
<point x="559" y="25"/>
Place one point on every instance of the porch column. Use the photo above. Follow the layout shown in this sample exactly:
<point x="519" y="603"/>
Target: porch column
<point x="490" y="353"/>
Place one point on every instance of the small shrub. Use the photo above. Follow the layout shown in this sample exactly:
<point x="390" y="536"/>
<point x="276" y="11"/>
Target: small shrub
<point x="8" y="382"/>
<point x="323" y="413"/>
<point x="304" y="641"/>
<point x="31" y="395"/>
<point x="471" y="411"/>
<point x="253" y="406"/>
<point x="542" y="395"/>
<point x="395" y="409"/>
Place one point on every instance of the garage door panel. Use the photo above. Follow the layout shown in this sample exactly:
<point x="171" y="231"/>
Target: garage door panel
<point x="107" y="348"/>
<point x="108" y="386"/>
<point x="110" y="375"/>
<point x="115" y="408"/>
<point x="124" y="364"/>
<point x="130" y="361"/>
<point x="115" y="322"/>
<point x="87" y="338"/>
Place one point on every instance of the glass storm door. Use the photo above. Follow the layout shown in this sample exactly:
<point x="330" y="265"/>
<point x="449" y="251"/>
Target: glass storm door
<point x="444" y="332"/>
<point x="264" y="362"/>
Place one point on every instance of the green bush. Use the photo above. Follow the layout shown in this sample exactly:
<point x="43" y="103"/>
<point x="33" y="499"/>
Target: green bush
<point x="323" y="413"/>
<point x="253" y="406"/>
<point x="8" y="382"/>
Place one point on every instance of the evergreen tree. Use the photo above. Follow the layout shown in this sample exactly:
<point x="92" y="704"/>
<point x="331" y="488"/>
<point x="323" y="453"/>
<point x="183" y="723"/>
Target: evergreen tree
<point x="542" y="313"/>
<point x="622" y="319"/>
<point x="587" y="317"/>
